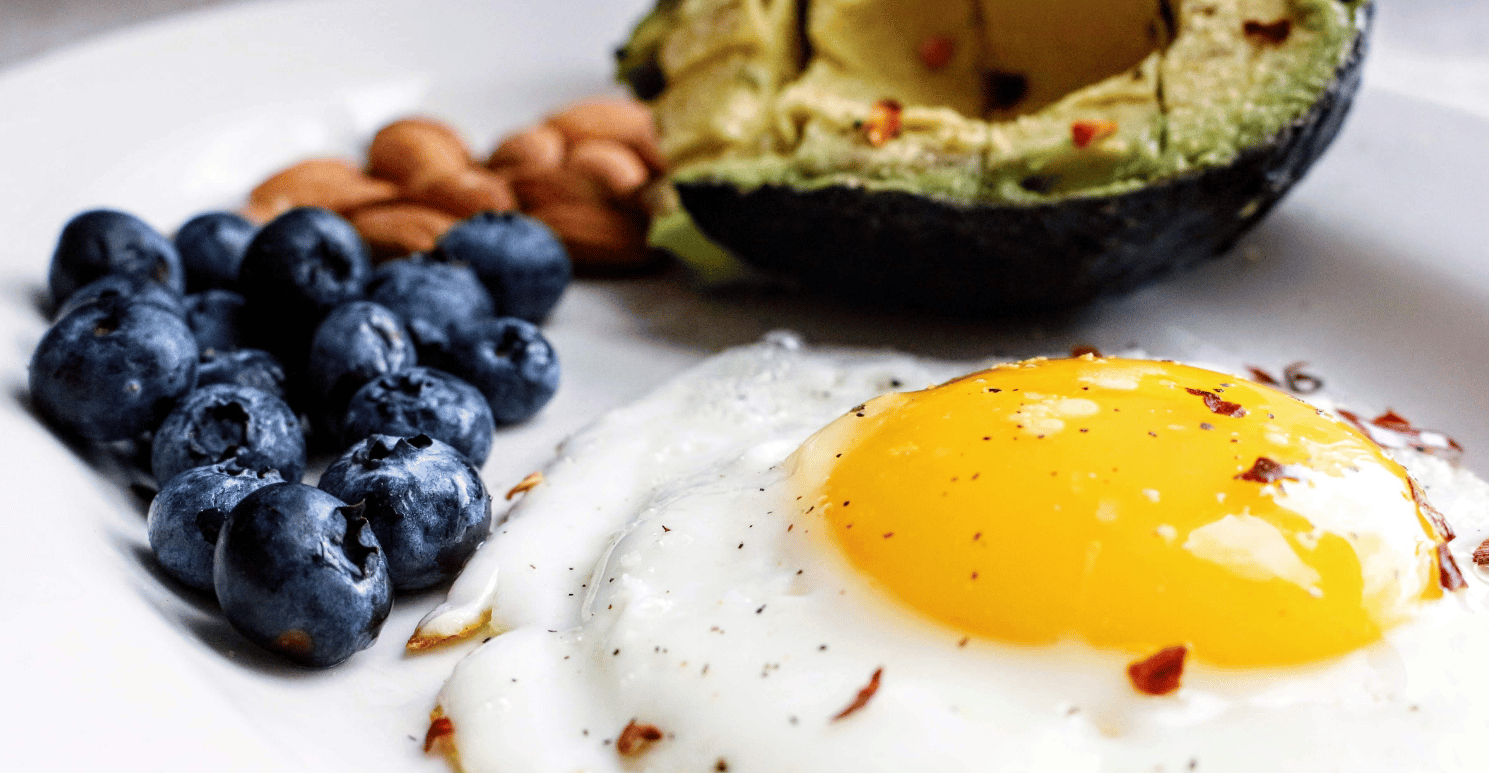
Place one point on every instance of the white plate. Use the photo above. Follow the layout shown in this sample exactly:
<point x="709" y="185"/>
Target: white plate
<point x="1372" y="271"/>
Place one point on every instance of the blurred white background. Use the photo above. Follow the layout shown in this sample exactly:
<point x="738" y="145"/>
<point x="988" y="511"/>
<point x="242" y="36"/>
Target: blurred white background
<point x="31" y="27"/>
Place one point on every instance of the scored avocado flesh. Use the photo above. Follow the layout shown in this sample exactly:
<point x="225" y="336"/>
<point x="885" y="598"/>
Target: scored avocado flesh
<point x="994" y="94"/>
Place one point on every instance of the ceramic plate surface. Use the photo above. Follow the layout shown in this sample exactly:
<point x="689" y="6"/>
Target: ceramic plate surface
<point x="1373" y="271"/>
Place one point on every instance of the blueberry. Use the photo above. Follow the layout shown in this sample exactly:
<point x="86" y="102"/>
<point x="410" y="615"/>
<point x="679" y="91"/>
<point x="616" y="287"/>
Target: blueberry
<point x="224" y="421"/>
<point x="521" y="262"/>
<point x="431" y="341"/>
<point x="211" y="246"/>
<point x="217" y="319"/>
<point x="124" y="286"/>
<point x="100" y="242"/>
<point x="187" y="515"/>
<point x="421" y="288"/>
<point x="422" y="401"/>
<point x="424" y="500"/>
<point x="298" y="268"/>
<point x="507" y="359"/>
<point x="244" y="367"/>
<point x="356" y="343"/>
<point x="298" y="572"/>
<point x="112" y="369"/>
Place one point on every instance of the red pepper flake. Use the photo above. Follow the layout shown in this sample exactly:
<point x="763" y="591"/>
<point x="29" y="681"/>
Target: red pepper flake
<point x="936" y="52"/>
<point x="1439" y="521"/>
<point x="440" y="727"/>
<point x="884" y="123"/>
<point x="1481" y="554"/>
<point x="863" y="696"/>
<point x="1159" y="674"/>
<point x="1300" y="382"/>
<point x="1275" y="32"/>
<point x="1217" y="405"/>
<point x="1084" y="133"/>
<point x="527" y="484"/>
<point x="1448" y="573"/>
<point x="1262" y="377"/>
<point x="1392" y="421"/>
<point x="636" y="738"/>
<point x="1265" y="471"/>
<point x="1081" y="350"/>
<point x="1390" y="430"/>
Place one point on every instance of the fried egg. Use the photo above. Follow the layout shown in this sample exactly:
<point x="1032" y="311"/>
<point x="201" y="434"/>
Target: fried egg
<point x="793" y="560"/>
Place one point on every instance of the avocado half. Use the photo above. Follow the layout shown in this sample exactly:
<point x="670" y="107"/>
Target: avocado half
<point x="990" y="156"/>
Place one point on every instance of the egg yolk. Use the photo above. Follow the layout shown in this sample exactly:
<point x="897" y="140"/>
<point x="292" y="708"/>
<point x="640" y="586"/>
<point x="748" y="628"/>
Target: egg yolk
<point x="1134" y="504"/>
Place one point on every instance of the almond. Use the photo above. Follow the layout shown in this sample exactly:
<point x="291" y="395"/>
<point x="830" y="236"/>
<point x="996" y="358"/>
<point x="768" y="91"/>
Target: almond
<point x="612" y="164"/>
<point x="533" y="149"/>
<point x="412" y="150"/>
<point x="465" y="192"/>
<point x="612" y="118"/>
<point x="558" y="186"/>
<point x="260" y="213"/>
<point x="598" y="237"/>
<point x="332" y="183"/>
<point x="400" y="228"/>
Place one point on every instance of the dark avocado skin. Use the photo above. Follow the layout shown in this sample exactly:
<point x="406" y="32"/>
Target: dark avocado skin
<point x="899" y="250"/>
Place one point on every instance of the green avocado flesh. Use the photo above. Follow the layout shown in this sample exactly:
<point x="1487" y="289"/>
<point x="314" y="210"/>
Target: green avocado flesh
<point x="1000" y="101"/>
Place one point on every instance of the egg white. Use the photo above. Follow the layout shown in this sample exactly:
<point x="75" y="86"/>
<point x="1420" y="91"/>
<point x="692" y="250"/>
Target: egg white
<point x="661" y="573"/>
